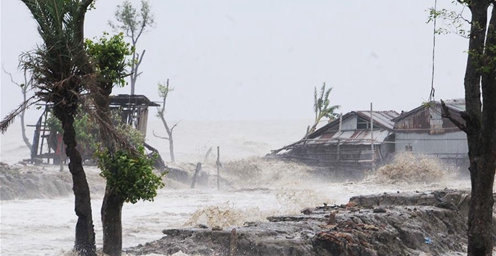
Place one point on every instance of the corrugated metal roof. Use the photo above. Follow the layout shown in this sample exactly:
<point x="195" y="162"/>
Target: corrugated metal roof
<point x="356" y="137"/>
<point x="382" y="117"/>
<point x="455" y="104"/>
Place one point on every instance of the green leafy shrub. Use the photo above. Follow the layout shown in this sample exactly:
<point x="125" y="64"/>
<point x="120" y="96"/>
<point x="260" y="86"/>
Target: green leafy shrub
<point x="109" y="57"/>
<point x="132" y="177"/>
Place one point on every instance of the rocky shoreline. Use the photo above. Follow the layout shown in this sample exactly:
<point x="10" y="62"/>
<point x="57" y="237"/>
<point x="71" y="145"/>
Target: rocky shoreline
<point x="417" y="223"/>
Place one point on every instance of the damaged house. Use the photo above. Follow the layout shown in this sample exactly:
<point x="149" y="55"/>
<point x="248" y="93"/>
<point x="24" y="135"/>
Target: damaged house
<point x="356" y="139"/>
<point x="364" y="139"/>
<point x="424" y="130"/>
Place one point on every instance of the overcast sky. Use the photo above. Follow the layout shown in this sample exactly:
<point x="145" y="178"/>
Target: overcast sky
<point x="261" y="59"/>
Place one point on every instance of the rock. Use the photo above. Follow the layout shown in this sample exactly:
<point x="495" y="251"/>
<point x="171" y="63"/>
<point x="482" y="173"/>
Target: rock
<point x="306" y="211"/>
<point x="202" y="226"/>
<point x="370" y="227"/>
<point x="379" y="210"/>
<point x="447" y="205"/>
<point x="332" y="218"/>
<point x="250" y="224"/>
<point x="216" y="228"/>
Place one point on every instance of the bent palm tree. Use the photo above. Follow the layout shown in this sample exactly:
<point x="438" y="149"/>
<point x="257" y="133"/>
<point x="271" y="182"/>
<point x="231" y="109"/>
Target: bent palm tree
<point x="60" y="68"/>
<point x="321" y="107"/>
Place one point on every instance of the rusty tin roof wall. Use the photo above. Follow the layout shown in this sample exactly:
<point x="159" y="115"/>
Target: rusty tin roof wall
<point x="454" y="104"/>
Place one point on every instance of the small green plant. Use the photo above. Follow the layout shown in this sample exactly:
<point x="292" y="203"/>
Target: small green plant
<point x="132" y="177"/>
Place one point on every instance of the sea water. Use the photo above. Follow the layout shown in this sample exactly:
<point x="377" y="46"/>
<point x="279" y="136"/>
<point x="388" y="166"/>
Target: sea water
<point x="256" y="188"/>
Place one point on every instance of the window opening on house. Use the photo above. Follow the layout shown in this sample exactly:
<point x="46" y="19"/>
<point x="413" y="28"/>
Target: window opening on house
<point x="363" y="124"/>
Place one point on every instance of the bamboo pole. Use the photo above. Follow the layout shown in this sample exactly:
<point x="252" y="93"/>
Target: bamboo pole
<point x="198" y="168"/>
<point x="339" y="134"/>
<point x="372" y="137"/>
<point x="218" y="167"/>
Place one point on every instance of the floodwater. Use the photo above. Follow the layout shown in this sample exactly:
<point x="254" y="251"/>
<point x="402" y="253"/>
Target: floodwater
<point x="46" y="226"/>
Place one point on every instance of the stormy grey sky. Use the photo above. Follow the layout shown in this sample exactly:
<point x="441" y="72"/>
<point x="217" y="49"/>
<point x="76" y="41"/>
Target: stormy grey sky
<point x="260" y="59"/>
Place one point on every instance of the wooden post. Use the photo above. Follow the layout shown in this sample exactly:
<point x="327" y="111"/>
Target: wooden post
<point x="207" y="154"/>
<point x="339" y="134"/>
<point x="218" y="167"/>
<point x="372" y="137"/>
<point x="198" y="168"/>
<point x="233" y="243"/>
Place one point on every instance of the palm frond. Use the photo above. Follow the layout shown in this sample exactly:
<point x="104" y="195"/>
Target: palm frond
<point x="315" y="102"/>
<point x="62" y="54"/>
<point x="9" y="119"/>
<point x="322" y="91"/>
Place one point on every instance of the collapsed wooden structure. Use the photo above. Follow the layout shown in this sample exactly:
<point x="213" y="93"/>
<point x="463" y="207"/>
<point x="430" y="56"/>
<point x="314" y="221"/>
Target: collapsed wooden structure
<point x="48" y="146"/>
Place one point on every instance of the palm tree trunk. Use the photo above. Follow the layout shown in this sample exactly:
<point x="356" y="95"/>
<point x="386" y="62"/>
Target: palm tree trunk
<point x="85" y="234"/>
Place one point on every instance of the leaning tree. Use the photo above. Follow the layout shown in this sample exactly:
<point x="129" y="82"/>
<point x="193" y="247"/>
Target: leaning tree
<point x="60" y="68"/>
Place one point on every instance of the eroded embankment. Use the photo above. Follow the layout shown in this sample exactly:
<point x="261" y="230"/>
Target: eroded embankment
<point x="35" y="182"/>
<point x="417" y="223"/>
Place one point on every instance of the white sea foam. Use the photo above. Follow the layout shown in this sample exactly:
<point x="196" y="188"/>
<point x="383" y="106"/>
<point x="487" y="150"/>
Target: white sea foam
<point x="251" y="189"/>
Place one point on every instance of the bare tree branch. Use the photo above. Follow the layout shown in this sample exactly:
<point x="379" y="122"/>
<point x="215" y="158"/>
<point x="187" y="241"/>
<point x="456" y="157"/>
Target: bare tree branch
<point x="446" y="113"/>
<point x="141" y="57"/>
<point x="160" y="137"/>
<point x="24" y="89"/>
<point x="174" y="126"/>
<point x="11" y="78"/>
